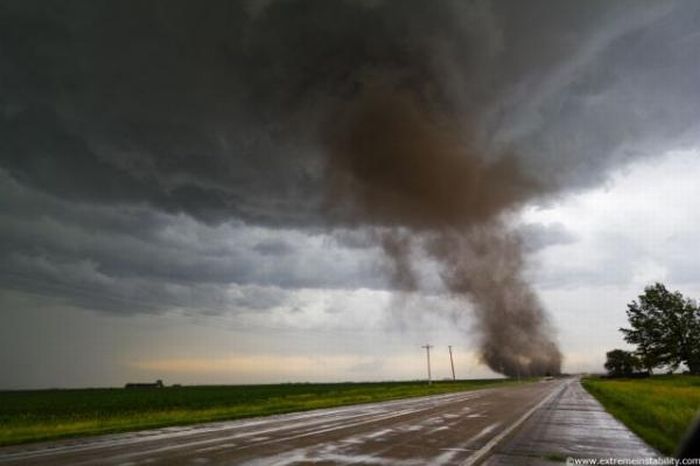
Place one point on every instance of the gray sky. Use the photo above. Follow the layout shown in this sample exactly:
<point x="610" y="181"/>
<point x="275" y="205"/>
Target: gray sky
<point x="164" y="181"/>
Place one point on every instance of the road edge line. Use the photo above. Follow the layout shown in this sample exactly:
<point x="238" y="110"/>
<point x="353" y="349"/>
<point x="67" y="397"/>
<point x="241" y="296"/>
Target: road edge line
<point x="491" y="444"/>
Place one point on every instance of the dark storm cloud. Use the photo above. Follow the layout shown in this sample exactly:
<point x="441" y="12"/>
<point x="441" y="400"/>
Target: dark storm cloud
<point x="626" y="92"/>
<point x="353" y="239"/>
<point x="273" y="248"/>
<point x="213" y="110"/>
<point x="319" y="114"/>
<point x="151" y="102"/>
<point x="135" y="259"/>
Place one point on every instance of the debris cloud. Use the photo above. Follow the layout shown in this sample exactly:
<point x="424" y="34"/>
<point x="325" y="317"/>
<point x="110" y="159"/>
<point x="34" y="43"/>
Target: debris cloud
<point x="394" y="162"/>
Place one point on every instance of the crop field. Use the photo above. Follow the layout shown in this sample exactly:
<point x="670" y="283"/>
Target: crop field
<point x="658" y="409"/>
<point x="48" y="414"/>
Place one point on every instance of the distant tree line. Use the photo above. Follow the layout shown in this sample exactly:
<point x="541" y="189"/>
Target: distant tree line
<point x="665" y="327"/>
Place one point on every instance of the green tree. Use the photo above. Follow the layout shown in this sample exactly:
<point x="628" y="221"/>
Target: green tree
<point x="665" y="326"/>
<point x="683" y="335"/>
<point x="621" y="363"/>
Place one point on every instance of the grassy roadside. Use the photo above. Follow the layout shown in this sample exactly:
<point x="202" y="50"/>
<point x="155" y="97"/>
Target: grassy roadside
<point x="35" y="415"/>
<point x="658" y="409"/>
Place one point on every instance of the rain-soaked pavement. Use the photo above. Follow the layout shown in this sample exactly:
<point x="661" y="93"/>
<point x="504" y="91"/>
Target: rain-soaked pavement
<point x="527" y="424"/>
<point x="573" y="424"/>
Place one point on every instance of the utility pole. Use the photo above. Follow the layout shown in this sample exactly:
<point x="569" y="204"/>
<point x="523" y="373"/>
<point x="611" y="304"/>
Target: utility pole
<point x="427" y="352"/>
<point x="452" y="364"/>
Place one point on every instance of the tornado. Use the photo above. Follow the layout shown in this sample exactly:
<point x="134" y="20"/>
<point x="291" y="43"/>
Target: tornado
<point x="396" y="163"/>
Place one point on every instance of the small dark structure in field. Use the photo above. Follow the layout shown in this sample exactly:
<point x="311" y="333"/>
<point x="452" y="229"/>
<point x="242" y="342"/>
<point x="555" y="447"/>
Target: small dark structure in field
<point x="158" y="384"/>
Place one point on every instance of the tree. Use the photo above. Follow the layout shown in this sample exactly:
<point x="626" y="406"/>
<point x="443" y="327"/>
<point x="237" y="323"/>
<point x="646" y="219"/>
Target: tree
<point x="683" y="335"/>
<point x="665" y="326"/>
<point x="621" y="363"/>
<point x="646" y="319"/>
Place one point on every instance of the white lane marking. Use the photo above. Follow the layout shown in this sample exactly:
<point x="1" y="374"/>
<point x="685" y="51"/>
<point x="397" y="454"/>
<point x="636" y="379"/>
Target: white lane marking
<point x="446" y="457"/>
<point x="438" y="429"/>
<point x="223" y="446"/>
<point x="378" y="434"/>
<point x="485" y="431"/>
<point x="434" y="420"/>
<point x="413" y="428"/>
<point x="486" y="449"/>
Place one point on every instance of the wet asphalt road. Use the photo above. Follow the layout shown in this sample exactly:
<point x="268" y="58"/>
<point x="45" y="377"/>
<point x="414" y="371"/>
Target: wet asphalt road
<point x="462" y="428"/>
<point x="530" y="424"/>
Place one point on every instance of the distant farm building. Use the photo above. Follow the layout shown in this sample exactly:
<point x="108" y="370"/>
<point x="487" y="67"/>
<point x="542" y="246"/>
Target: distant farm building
<point x="157" y="384"/>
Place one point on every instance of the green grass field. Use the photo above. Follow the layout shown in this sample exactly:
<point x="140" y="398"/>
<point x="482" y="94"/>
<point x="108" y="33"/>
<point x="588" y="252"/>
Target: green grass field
<point x="48" y="414"/>
<point x="658" y="409"/>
